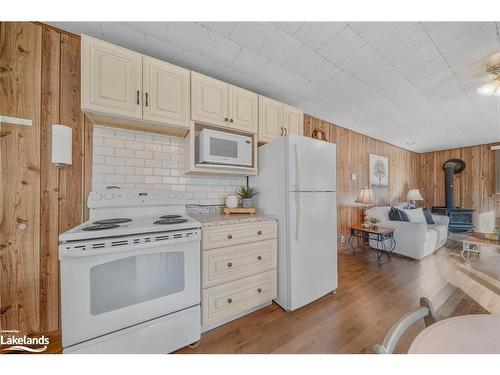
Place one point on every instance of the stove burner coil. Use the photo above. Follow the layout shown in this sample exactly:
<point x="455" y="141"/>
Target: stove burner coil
<point x="169" y="221"/>
<point x="119" y="220"/>
<point x="170" y="216"/>
<point x="91" y="228"/>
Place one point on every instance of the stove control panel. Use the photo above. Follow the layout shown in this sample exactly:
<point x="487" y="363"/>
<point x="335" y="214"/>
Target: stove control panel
<point x="132" y="198"/>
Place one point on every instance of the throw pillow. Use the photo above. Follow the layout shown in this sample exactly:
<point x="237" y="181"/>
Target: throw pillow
<point x="397" y="215"/>
<point x="428" y="215"/>
<point x="416" y="216"/>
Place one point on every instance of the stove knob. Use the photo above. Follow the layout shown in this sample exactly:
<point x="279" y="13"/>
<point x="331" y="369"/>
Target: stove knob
<point x="96" y="196"/>
<point x="108" y="195"/>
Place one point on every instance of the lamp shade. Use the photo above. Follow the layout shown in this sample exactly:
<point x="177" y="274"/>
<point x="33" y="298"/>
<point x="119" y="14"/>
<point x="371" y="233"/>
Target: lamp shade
<point x="414" y="195"/>
<point x="365" y="196"/>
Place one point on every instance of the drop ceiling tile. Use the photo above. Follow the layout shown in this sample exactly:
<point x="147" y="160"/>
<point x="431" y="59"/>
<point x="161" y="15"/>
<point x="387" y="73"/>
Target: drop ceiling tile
<point x="116" y="33"/>
<point x="220" y="49"/>
<point x="425" y="53"/>
<point x="303" y="61"/>
<point x="289" y="27"/>
<point x="197" y="62"/>
<point x="342" y="46"/>
<point x="317" y="34"/>
<point x="154" y="29"/>
<point x="162" y="50"/>
<point x="280" y="47"/>
<point x="249" y="62"/>
<point x="189" y="36"/>
<point x="378" y="67"/>
<point x="358" y="60"/>
<point x="325" y="73"/>
<point x="253" y="35"/>
<point x="222" y="28"/>
<point x="426" y="69"/>
<point x="389" y="79"/>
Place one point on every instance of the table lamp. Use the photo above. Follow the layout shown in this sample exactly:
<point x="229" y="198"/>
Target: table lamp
<point x="365" y="197"/>
<point x="414" y="195"/>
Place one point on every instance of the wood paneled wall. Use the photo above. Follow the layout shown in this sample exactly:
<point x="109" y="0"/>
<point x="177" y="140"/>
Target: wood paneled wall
<point x="353" y="151"/>
<point x="474" y="187"/>
<point x="39" y="80"/>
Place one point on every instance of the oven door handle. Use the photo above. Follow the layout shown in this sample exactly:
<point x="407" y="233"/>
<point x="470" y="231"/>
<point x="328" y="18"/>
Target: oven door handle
<point x="126" y="250"/>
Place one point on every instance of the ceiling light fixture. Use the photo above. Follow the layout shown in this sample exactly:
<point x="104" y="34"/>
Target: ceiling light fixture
<point x="492" y="88"/>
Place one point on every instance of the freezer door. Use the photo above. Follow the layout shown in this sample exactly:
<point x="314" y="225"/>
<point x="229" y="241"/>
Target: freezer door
<point x="311" y="164"/>
<point x="312" y="246"/>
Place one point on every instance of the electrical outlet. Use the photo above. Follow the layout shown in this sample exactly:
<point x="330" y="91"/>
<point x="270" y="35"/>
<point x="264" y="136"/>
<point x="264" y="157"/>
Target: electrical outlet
<point x="342" y="238"/>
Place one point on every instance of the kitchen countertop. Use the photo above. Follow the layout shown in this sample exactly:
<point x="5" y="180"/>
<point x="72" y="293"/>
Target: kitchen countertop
<point x="214" y="219"/>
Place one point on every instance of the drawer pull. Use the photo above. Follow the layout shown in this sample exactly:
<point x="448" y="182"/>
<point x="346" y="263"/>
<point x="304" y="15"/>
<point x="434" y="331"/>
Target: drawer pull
<point x="229" y="236"/>
<point x="259" y="290"/>
<point x="230" y="264"/>
<point x="259" y="232"/>
<point x="229" y="300"/>
<point x="259" y="257"/>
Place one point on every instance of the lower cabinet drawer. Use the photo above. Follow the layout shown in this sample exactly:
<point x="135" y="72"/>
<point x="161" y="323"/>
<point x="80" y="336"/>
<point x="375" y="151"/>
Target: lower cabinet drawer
<point x="223" y="301"/>
<point x="234" y="262"/>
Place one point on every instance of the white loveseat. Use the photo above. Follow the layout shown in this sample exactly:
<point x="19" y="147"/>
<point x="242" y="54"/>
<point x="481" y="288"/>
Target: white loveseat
<point x="414" y="240"/>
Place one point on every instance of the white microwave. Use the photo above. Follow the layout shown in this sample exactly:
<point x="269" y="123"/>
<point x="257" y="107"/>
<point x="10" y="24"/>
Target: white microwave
<point x="215" y="147"/>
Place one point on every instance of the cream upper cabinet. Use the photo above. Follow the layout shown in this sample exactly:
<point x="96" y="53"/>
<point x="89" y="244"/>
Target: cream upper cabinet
<point x="166" y="92"/>
<point x="111" y="78"/>
<point x="270" y="119"/>
<point x="293" y="120"/>
<point x="243" y="109"/>
<point x="209" y="100"/>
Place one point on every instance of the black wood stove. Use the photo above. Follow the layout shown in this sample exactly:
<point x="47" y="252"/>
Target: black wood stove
<point x="461" y="219"/>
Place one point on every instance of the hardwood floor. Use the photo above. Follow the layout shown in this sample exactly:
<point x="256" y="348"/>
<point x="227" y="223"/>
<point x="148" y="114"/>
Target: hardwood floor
<point x="370" y="298"/>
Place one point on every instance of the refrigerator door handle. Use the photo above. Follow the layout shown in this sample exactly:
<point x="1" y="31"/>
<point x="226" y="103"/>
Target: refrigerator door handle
<point x="297" y="217"/>
<point x="297" y="178"/>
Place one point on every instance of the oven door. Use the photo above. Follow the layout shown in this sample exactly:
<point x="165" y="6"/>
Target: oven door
<point x="102" y="293"/>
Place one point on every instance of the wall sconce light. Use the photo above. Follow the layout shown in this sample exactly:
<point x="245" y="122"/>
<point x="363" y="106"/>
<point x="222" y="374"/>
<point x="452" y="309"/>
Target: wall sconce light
<point x="61" y="145"/>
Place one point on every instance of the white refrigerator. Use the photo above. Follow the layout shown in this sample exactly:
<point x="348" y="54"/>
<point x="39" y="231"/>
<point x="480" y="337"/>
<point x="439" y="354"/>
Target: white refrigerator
<point x="297" y="182"/>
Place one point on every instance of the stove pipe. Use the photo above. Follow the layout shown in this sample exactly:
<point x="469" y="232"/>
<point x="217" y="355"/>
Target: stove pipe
<point x="451" y="168"/>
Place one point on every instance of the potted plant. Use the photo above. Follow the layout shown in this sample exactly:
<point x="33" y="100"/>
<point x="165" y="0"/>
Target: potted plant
<point x="372" y="222"/>
<point x="246" y="194"/>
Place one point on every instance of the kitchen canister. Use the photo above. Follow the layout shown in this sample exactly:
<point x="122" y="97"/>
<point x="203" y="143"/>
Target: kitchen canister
<point x="232" y="201"/>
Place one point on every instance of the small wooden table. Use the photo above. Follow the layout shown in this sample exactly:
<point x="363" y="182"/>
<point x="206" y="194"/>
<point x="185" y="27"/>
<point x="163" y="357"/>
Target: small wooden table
<point x="466" y="334"/>
<point x="379" y="234"/>
<point x="472" y="242"/>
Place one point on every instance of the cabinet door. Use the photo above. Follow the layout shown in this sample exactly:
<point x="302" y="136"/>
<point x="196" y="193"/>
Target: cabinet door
<point x="243" y="110"/>
<point x="208" y="100"/>
<point x="270" y="119"/>
<point x="166" y="92"/>
<point x="293" y="120"/>
<point x="111" y="79"/>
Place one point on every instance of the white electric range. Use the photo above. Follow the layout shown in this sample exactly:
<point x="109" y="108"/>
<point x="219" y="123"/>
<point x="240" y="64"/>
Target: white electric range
<point x="130" y="275"/>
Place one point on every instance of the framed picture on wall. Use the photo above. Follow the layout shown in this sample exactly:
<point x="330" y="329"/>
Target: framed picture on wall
<point x="379" y="170"/>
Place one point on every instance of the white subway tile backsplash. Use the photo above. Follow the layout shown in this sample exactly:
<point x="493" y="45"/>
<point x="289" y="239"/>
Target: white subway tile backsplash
<point x="131" y="159"/>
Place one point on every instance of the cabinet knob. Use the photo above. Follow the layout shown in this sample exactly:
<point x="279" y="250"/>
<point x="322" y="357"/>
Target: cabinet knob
<point x="229" y="236"/>
<point x="229" y="300"/>
<point x="259" y="257"/>
<point x="231" y="120"/>
<point x="138" y="97"/>
<point x="147" y="99"/>
<point x="230" y="264"/>
<point x="225" y="119"/>
<point x="281" y="130"/>
<point x="259" y="290"/>
<point x="259" y="232"/>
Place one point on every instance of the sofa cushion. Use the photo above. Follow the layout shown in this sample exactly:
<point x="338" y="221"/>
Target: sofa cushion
<point x="379" y="212"/>
<point x="416" y="216"/>
<point x="428" y="215"/>
<point x="397" y="215"/>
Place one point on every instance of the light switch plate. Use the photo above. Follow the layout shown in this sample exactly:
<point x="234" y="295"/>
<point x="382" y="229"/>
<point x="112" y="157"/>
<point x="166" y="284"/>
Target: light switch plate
<point x="15" y="121"/>
<point x="353" y="176"/>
